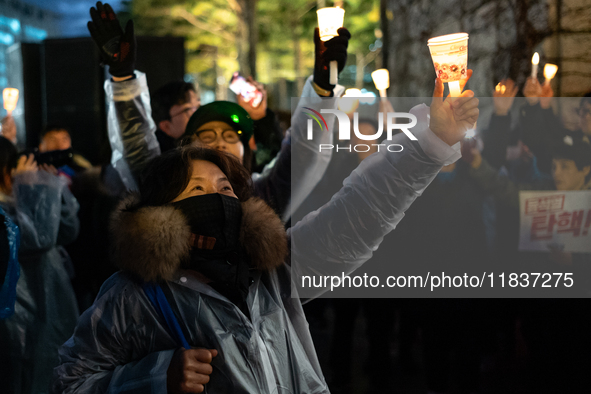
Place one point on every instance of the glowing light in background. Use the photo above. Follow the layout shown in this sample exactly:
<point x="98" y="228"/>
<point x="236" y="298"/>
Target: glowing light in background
<point x="13" y="24"/>
<point x="6" y="38"/>
<point x="33" y="33"/>
<point x="470" y="133"/>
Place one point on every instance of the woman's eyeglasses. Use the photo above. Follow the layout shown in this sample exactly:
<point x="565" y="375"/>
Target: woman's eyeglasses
<point x="210" y="136"/>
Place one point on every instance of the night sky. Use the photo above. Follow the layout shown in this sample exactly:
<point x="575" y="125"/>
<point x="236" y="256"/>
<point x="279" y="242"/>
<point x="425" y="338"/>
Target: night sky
<point x="74" y="13"/>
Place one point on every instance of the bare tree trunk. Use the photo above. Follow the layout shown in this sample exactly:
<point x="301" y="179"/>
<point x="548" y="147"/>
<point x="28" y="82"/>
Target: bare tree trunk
<point x="384" y="22"/>
<point x="221" y="90"/>
<point x="297" y="58"/>
<point x="253" y="35"/>
<point x="247" y="37"/>
<point x="360" y="59"/>
<point x="241" y="46"/>
<point x="559" y="54"/>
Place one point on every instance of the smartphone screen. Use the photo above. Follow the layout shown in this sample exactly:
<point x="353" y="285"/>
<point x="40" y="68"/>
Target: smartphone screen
<point x="248" y="91"/>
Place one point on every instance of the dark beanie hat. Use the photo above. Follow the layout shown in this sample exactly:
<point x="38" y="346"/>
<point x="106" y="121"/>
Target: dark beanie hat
<point x="223" y="111"/>
<point x="576" y="149"/>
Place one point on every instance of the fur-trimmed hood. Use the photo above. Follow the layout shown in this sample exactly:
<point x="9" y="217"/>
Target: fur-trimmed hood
<point x="153" y="242"/>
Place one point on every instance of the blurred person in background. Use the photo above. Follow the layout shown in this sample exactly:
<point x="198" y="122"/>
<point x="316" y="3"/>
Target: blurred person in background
<point x="173" y="103"/>
<point x="58" y="138"/>
<point x="131" y="128"/>
<point x="584" y="117"/>
<point x="557" y="339"/>
<point x="9" y="267"/>
<point x="40" y="203"/>
<point x="87" y="252"/>
<point x="267" y="134"/>
<point x="8" y="129"/>
<point x="538" y="128"/>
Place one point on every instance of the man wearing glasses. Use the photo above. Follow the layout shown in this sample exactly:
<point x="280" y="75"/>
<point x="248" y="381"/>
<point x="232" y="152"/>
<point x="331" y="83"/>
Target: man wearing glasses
<point x="173" y="103"/>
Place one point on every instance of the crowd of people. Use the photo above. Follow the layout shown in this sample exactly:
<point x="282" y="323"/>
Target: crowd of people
<point x="169" y="269"/>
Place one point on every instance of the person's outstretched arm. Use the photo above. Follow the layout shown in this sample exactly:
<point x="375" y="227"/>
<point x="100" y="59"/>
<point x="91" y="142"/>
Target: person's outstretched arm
<point x="129" y="120"/>
<point x="342" y="235"/>
<point x="497" y="137"/>
<point x="286" y="182"/>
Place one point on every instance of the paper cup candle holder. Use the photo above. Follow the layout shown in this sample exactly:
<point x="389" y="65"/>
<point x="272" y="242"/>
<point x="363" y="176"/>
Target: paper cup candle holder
<point x="330" y="19"/>
<point x="10" y="97"/>
<point x="450" y="58"/>
<point x="550" y="71"/>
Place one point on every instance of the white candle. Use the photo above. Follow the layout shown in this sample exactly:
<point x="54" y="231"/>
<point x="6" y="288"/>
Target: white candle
<point x="454" y="88"/>
<point x="330" y="19"/>
<point x="534" y="65"/>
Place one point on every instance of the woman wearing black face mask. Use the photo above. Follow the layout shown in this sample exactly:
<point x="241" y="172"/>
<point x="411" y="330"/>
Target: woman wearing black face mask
<point x="204" y="299"/>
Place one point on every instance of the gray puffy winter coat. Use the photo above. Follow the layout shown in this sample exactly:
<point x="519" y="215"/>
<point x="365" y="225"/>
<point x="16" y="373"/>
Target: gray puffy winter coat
<point x="121" y="344"/>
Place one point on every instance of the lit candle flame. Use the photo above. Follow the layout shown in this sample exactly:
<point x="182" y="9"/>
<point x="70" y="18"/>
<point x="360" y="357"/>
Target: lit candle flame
<point x="550" y="71"/>
<point x="534" y="65"/>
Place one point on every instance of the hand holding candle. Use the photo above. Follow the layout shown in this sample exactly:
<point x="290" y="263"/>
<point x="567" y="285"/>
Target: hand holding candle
<point x="330" y="19"/>
<point x="450" y="58"/>
<point x="381" y="78"/>
<point x="334" y="49"/>
<point x="451" y="119"/>
<point x="349" y="102"/>
<point x="503" y="96"/>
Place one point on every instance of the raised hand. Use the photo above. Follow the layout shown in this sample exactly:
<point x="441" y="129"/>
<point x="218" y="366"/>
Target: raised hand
<point x="49" y="168"/>
<point x="503" y="96"/>
<point x="325" y="52"/>
<point x="9" y="128"/>
<point x="25" y="164"/>
<point x="546" y="96"/>
<point x="452" y="117"/>
<point x="532" y="90"/>
<point x="260" y="111"/>
<point x="118" y="47"/>
<point x="189" y="370"/>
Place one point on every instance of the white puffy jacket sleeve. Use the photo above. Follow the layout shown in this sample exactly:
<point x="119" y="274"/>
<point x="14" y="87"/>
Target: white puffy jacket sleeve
<point x="288" y="179"/>
<point x="131" y="127"/>
<point x="342" y="235"/>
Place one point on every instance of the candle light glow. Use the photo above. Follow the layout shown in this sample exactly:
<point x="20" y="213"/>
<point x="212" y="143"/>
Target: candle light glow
<point x="330" y="20"/>
<point x="550" y="71"/>
<point x="381" y="78"/>
<point x="349" y="102"/>
<point x="450" y="59"/>
<point x="10" y="96"/>
<point x="534" y="65"/>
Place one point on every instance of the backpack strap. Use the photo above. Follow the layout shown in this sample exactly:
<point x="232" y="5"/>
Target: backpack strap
<point x="160" y="302"/>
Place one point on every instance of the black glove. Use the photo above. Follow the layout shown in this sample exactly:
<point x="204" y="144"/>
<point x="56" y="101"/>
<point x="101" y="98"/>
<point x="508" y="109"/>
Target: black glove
<point x="325" y="51"/>
<point x="117" y="47"/>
